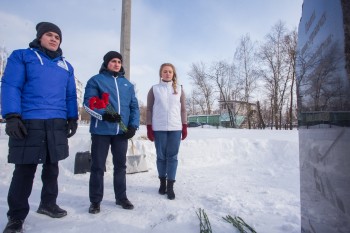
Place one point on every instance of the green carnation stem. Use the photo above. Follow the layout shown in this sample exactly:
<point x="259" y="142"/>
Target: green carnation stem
<point x="110" y="110"/>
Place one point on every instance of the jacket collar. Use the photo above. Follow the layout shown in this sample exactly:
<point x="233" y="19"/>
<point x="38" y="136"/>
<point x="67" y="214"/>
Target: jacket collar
<point x="35" y="44"/>
<point x="166" y="83"/>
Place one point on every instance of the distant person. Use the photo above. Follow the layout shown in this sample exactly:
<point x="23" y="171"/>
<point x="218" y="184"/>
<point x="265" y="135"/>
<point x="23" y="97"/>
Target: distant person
<point x="111" y="126"/>
<point x="39" y="103"/>
<point x="166" y="125"/>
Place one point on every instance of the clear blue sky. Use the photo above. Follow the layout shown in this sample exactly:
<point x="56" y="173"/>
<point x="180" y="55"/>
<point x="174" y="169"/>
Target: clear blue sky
<point x="178" y="31"/>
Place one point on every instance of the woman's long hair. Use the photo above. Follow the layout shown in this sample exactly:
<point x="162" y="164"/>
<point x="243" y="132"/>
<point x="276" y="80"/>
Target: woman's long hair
<point x="174" y="76"/>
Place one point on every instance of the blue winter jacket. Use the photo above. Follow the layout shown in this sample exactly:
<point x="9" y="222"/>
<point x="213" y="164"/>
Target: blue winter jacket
<point x="121" y="97"/>
<point x="38" y="87"/>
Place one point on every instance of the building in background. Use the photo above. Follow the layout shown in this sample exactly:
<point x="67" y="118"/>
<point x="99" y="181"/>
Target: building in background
<point x="240" y="111"/>
<point x="80" y="95"/>
<point x="3" y="61"/>
<point x="80" y="92"/>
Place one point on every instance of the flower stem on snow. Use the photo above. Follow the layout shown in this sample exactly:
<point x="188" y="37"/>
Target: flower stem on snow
<point x="239" y="223"/>
<point x="204" y="221"/>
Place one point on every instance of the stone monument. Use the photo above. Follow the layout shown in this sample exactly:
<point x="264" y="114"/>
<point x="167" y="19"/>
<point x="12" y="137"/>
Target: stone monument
<point x="323" y="92"/>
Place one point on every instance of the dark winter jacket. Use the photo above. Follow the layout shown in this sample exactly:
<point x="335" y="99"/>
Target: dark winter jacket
<point x="121" y="97"/>
<point x="38" y="87"/>
<point x="45" y="137"/>
<point x="42" y="91"/>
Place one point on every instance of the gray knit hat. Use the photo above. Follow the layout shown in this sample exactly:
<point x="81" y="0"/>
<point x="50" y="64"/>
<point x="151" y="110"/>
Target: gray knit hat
<point x="44" y="27"/>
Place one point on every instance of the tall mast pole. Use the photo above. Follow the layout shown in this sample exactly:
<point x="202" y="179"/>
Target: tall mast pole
<point x="125" y="36"/>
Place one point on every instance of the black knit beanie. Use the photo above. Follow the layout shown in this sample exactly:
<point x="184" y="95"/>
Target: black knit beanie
<point x="110" y="55"/>
<point x="44" y="27"/>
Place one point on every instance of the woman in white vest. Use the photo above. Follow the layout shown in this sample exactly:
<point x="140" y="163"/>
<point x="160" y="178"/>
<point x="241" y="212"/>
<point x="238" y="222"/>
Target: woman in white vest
<point x="166" y="125"/>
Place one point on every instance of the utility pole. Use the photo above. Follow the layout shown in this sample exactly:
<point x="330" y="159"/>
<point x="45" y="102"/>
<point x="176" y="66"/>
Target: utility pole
<point x="125" y="36"/>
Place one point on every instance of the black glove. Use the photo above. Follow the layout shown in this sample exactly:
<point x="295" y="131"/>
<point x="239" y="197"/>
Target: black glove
<point x="130" y="133"/>
<point x="72" y="125"/>
<point x="111" y="117"/>
<point x="15" y="127"/>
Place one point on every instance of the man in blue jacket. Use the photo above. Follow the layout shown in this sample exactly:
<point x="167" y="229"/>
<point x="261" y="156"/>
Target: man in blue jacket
<point x="39" y="103"/>
<point x="114" y="120"/>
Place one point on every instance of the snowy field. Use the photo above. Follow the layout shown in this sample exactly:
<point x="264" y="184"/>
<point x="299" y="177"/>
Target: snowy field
<point x="253" y="174"/>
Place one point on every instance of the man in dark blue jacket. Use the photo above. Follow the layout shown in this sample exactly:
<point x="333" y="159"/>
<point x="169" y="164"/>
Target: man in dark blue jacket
<point x="39" y="103"/>
<point x="112" y="123"/>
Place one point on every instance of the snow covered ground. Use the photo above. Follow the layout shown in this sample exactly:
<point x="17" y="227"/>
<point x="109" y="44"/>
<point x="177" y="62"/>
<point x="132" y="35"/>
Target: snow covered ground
<point x="253" y="174"/>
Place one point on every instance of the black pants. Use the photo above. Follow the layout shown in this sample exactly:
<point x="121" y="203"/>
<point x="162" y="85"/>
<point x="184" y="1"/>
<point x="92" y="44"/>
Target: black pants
<point x="22" y="184"/>
<point x="99" y="151"/>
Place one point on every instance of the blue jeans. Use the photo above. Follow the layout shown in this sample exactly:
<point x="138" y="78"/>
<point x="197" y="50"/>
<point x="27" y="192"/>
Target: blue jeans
<point x="167" y="147"/>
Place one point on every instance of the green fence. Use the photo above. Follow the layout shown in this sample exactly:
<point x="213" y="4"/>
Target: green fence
<point x="205" y="119"/>
<point x="216" y="120"/>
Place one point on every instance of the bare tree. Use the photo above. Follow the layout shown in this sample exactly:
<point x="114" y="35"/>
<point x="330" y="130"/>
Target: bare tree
<point x="195" y="103"/>
<point x="273" y="56"/>
<point x="143" y="113"/>
<point x="200" y="102"/>
<point x="319" y="86"/>
<point x="290" y="43"/>
<point x="245" y="56"/>
<point x="261" y="123"/>
<point x="189" y="105"/>
<point x="202" y="84"/>
<point x="325" y="87"/>
<point x="222" y="74"/>
<point x="306" y="61"/>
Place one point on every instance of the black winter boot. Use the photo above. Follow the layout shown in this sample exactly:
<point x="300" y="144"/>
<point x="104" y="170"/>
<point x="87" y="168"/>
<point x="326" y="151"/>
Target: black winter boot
<point x="170" y="189"/>
<point x="52" y="210"/>
<point x="14" y="226"/>
<point x="162" y="187"/>
<point x="125" y="203"/>
<point x="94" y="208"/>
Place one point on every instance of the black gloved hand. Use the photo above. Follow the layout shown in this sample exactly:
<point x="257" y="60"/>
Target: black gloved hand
<point x="15" y="127"/>
<point x="72" y="125"/>
<point x="130" y="133"/>
<point x="111" y="117"/>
